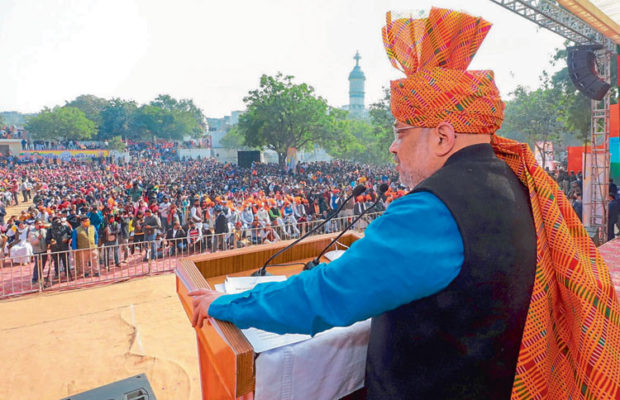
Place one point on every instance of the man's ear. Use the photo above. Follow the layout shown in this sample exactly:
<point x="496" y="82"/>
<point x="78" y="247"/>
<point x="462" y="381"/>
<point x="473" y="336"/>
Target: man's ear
<point x="444" y="138"/>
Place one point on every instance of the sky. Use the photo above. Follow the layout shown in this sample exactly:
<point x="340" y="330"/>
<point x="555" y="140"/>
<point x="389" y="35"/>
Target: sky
<point x="214" y="52"/>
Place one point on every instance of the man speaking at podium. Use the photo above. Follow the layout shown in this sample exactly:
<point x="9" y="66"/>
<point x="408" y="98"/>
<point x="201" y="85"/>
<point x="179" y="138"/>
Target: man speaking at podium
<point x="480" y="282"/>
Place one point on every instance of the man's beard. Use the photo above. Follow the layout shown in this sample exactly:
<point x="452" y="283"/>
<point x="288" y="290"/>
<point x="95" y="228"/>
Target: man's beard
<point x="412" y="180"/>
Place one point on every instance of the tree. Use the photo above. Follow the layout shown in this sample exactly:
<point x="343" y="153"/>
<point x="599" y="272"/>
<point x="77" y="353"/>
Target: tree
<point x="535" y="114"/>
<point x="365" y="141"/>
<point x="61" y="123"/>
<point x="148" y="121"/>
<point x="116" y="116"/>
<point x="233" y="138"/>
<point x="116" y="143"/>
<point x="14" y="118"/>
<point x="354" y="142"/>
<point x="383" y="126"/>
<point x="91" y="106"/>
<point x="187" y="115"/>
<point x="153" y="121"/>
<point x="281" y="114"/>
<point x="1" y="121"/>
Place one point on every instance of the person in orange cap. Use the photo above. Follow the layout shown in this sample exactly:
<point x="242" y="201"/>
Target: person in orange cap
<point x="299" y="211"/>
<point x="481" y="281"/>
<point x="262" y="215"/>
<point x="196" y="214"/>
<point x="359" y="205"/>
<point x="240" y="237"/>
<point x="358" y="209"/>
<point x="263" y="231"/>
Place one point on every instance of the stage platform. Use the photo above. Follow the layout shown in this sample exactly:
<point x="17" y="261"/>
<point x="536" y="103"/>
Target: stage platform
<point x="58" y="344"/>
<point x="611" y="254"/>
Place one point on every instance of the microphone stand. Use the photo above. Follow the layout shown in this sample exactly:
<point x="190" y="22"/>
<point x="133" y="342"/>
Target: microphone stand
<point x="313" y="263"/>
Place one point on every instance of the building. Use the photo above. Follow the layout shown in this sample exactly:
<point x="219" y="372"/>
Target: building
<point x="218" y="128"/>
<point x="357" y="81"/>
<point x="10" y="147"/>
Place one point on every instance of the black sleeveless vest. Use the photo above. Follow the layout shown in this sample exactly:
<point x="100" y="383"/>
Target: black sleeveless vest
<point x="463" y="342"/>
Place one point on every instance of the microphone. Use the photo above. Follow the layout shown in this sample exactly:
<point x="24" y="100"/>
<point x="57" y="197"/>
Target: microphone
<point x="359" y="189"/>
<point x="311" y="264"/>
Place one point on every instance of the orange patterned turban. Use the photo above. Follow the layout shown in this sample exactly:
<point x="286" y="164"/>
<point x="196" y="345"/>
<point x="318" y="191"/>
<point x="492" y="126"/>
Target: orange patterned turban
<point x="571" y="341"/>
<point x="434" y="53"/>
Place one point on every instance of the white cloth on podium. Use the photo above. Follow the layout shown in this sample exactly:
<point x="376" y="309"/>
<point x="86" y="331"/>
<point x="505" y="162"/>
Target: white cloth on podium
<point x="329" y="366"/>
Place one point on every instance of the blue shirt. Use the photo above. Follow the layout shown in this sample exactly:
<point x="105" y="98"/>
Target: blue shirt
<point x="412" y="251"/>
<point x="96" y="219"/>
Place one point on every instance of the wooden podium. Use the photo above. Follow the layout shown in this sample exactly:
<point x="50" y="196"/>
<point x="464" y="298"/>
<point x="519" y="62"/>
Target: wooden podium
<point x="226" y="358"/>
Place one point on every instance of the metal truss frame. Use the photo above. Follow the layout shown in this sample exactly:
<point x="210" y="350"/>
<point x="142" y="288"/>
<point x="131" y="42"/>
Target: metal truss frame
<point x="599" y="155"/>
<point x="549" y="15"/>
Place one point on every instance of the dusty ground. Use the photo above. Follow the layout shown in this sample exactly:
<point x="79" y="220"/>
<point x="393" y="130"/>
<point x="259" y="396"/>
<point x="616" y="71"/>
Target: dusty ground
<point x="16" y="210"/>
<point x="56" y="345"/>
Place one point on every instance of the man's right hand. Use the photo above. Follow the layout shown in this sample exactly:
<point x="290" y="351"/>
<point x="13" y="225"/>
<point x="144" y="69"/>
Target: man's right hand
<point x="201" y="302"/>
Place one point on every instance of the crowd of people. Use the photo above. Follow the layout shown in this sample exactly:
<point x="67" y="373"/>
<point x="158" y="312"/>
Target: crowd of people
<point x="160" y="149"/>
<point x="572" y="186"/>
<point x="38" y="145"/>
<point x="161" y="205"/>
<point x="12" y="132"/>
<point x="103" y="211"/>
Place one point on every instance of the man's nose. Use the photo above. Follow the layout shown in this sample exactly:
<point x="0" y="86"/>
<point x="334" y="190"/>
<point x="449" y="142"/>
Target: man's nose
<point x="393" y="147"/>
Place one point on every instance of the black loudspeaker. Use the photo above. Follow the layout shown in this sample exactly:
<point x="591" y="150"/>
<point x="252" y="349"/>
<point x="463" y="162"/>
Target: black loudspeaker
<point x="582" y="71"/>
<point x="245" y="158"/>
<point x="134" y="388"/>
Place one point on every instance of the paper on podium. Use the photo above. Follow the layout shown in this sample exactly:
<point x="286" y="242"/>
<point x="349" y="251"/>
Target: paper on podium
<point x="260" y="340"/>
<point x="334" y="254"/>
<point x="234" y="285"/>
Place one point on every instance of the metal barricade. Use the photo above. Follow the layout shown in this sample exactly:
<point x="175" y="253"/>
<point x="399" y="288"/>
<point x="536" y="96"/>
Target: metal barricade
<point x="115" y="262"/>
<point x="16" y="277"/>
